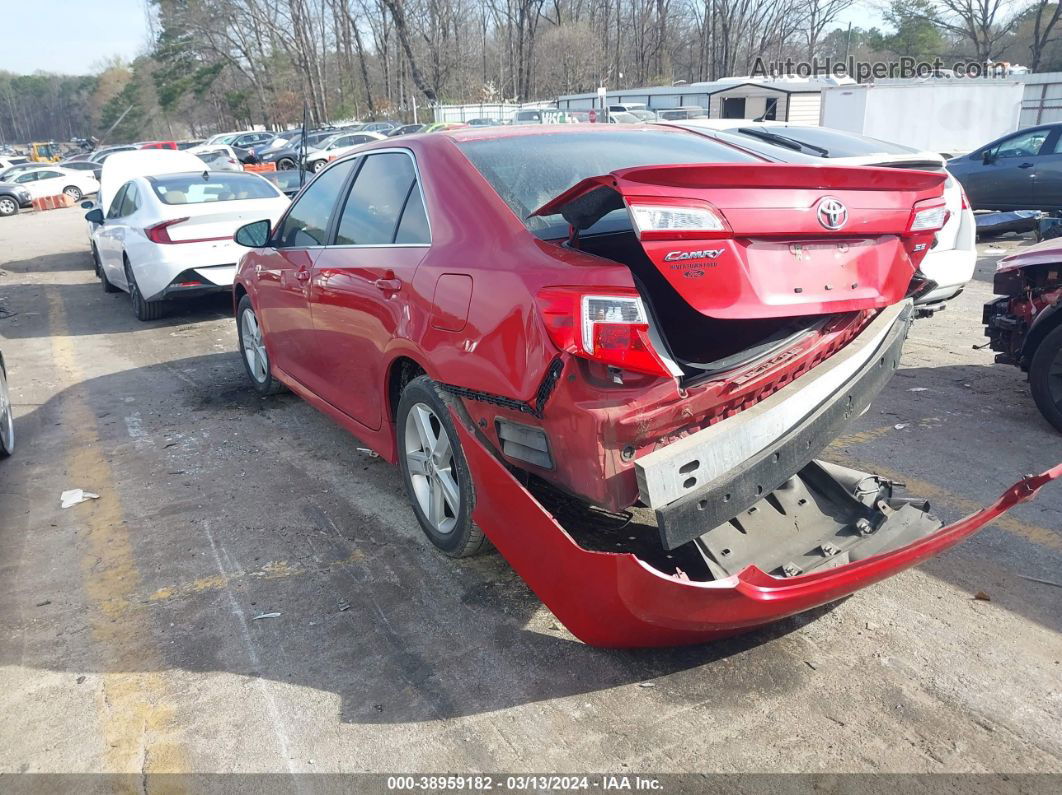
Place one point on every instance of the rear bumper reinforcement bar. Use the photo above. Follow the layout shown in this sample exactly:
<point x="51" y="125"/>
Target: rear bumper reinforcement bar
<point x="737" y="461"/>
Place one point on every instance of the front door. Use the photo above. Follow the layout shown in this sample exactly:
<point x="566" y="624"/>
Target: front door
<point x="1007" y="179"/>
<point x="362" y="285"/>
<point x="282" y="274"/>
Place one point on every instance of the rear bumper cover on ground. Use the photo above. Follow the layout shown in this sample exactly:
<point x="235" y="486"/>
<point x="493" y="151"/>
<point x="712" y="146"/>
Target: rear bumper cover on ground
<point x="617" y="600"/>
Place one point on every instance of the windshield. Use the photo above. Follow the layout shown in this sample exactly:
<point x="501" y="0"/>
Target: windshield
<point x="211" y="186"/>
<point x="824" y="142"/>
<point x="526" y="177"/>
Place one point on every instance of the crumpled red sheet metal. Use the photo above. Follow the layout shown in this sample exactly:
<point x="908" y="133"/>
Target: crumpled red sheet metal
<point x="616" y="600"/>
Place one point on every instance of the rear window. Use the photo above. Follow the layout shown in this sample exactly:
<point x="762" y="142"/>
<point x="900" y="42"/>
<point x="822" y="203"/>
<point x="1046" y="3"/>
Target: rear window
<point x="824" y="142"/>
<point x="211" y="186"/>
<point x="528" y="171"/>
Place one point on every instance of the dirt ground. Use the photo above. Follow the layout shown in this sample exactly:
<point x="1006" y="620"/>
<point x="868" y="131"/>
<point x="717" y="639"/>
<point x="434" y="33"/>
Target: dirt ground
<point x="131" y="628"/>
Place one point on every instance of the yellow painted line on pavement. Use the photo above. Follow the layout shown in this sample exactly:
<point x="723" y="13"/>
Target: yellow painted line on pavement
<point x="270" y="571"/>
<point x="135" y="710"/>
<point x="915" y="487"/>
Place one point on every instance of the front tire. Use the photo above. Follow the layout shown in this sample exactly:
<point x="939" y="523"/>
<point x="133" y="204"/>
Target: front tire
<point x="434" y="470"/>
<point x="285" y="164"/>
<point x="252" y="346"/>
<point x="318" y="165"/>
<point x="143" y="309"/>
<point x="8" y="206"/>
<point x="7" y="417"/>
<point x="1045" y="377"/>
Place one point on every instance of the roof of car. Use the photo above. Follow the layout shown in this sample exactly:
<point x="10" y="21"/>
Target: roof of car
<point x="521" y="130"/>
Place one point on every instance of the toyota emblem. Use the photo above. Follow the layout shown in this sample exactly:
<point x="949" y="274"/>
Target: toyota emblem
<point x="832" y="213"/>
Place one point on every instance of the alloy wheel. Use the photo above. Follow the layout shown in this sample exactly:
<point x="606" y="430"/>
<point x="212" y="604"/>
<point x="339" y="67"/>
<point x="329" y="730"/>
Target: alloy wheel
<point x="7" y="418"/>
<point x="253" y="348"/>
<point x="73" y="193"/>
<point x="8" y="206"/>
<point x="432" y="473"/>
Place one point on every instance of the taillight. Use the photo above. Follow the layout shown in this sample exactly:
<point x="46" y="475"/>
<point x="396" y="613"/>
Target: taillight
<point x="928" y="215"/>
<point x="965" y="198"/>
<point x="160" y="233"/>
<point x="608" y="326"/>
<point x="663" y="220"/>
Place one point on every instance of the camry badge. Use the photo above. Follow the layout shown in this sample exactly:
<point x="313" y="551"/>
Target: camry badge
<point x="681" y="256"/>
<point x="832" y="213"/>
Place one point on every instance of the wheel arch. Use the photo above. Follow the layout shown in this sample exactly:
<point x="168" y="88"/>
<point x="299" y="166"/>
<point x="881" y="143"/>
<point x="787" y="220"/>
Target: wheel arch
<point x="402" y="369"/>
<point x="1046" y="322"/>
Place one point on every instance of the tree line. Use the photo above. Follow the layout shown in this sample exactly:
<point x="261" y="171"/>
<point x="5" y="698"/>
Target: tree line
<point x="229" y="64"/>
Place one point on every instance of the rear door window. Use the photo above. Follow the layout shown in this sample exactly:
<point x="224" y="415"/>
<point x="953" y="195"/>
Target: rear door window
<point x="376" y="201"/>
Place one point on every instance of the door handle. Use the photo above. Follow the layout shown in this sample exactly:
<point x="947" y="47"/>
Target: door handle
<point x="388" y="285"/>
<point x="1025" y="165"/>
<point x="302" y="275"/>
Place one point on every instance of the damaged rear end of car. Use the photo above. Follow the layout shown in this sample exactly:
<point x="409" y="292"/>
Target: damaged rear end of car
<point x="717" y="326"/>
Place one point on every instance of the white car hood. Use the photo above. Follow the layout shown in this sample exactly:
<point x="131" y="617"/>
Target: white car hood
<point x="121" y="167"/>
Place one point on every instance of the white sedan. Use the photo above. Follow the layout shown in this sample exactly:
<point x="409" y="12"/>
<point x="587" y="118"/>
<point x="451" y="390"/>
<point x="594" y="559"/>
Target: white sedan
<point x="53" y="181"/>
<point x="169" y="236"/>
<point x="336" y="146"/>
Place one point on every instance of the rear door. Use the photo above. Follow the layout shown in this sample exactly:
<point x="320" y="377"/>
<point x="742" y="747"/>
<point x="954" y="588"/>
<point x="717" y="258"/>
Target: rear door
<point x="1048" y="170"/>
<point x="362" y="285"/>
<point x="282" y="273"/>
<point x="111" y="237"/>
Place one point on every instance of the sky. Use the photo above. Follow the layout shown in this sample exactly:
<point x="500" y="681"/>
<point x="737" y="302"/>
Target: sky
<point x="75" y="36"/>
<point x="70" y="36"/>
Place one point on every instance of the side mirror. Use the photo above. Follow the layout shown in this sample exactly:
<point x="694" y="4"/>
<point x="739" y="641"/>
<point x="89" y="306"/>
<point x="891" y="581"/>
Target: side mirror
<point x="253" y="235"/>
<point x="88" y="204"/>
<point x="987" y="157"/>
<point x="94" y="216"/>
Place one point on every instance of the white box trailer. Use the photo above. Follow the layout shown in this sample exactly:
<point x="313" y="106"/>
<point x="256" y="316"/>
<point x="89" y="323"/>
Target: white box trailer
<point x="946" y="116"/>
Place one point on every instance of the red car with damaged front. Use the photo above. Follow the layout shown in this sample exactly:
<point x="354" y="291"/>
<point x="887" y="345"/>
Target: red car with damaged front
<point x="615" y="353"/>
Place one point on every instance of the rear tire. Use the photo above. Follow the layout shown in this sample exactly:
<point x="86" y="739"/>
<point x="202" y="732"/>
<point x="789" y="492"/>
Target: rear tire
<point x="96" y="260"/>
<point x="142" y="308"/>
<point x="285" y="164"/>
<point x="253" y="351"/>
<point x="1045" y="377"/>
<point x="318" y="165"/>
<point x="8" y="206"/>
<point x="73" y="192"/>
<point x="435" y="471"/>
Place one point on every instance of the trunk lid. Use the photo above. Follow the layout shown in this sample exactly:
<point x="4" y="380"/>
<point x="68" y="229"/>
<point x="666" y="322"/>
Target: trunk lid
<point x="794" y="239"/>
<point x="220" y="220"/>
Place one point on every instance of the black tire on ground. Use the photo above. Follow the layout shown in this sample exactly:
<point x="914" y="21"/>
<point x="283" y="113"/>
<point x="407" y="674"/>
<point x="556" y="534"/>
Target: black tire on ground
<point x="264" y="384"/>
<point x="7" y="416"/>
<point x="462" y="538"/>
<point x="8" y="206"/>
<point x="285" y="164"/>
<point x="318" y="165"/>
<point x="95" y="260"/>
<point x="73" y="192"/>
<point x="1045" y="377"/>
<point x="142" y="308"/>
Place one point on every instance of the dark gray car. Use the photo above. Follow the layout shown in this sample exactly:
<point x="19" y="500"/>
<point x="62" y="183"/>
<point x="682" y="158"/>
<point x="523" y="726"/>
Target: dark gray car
<point x="1021" y="171"/>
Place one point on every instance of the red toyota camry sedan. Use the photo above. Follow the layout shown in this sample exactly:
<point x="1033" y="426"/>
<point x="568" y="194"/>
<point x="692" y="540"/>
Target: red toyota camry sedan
<point x="616" y="353"/>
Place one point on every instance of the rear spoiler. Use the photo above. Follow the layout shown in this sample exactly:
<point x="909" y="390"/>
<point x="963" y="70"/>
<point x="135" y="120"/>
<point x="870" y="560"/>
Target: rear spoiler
<point x="585" y="203"/>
